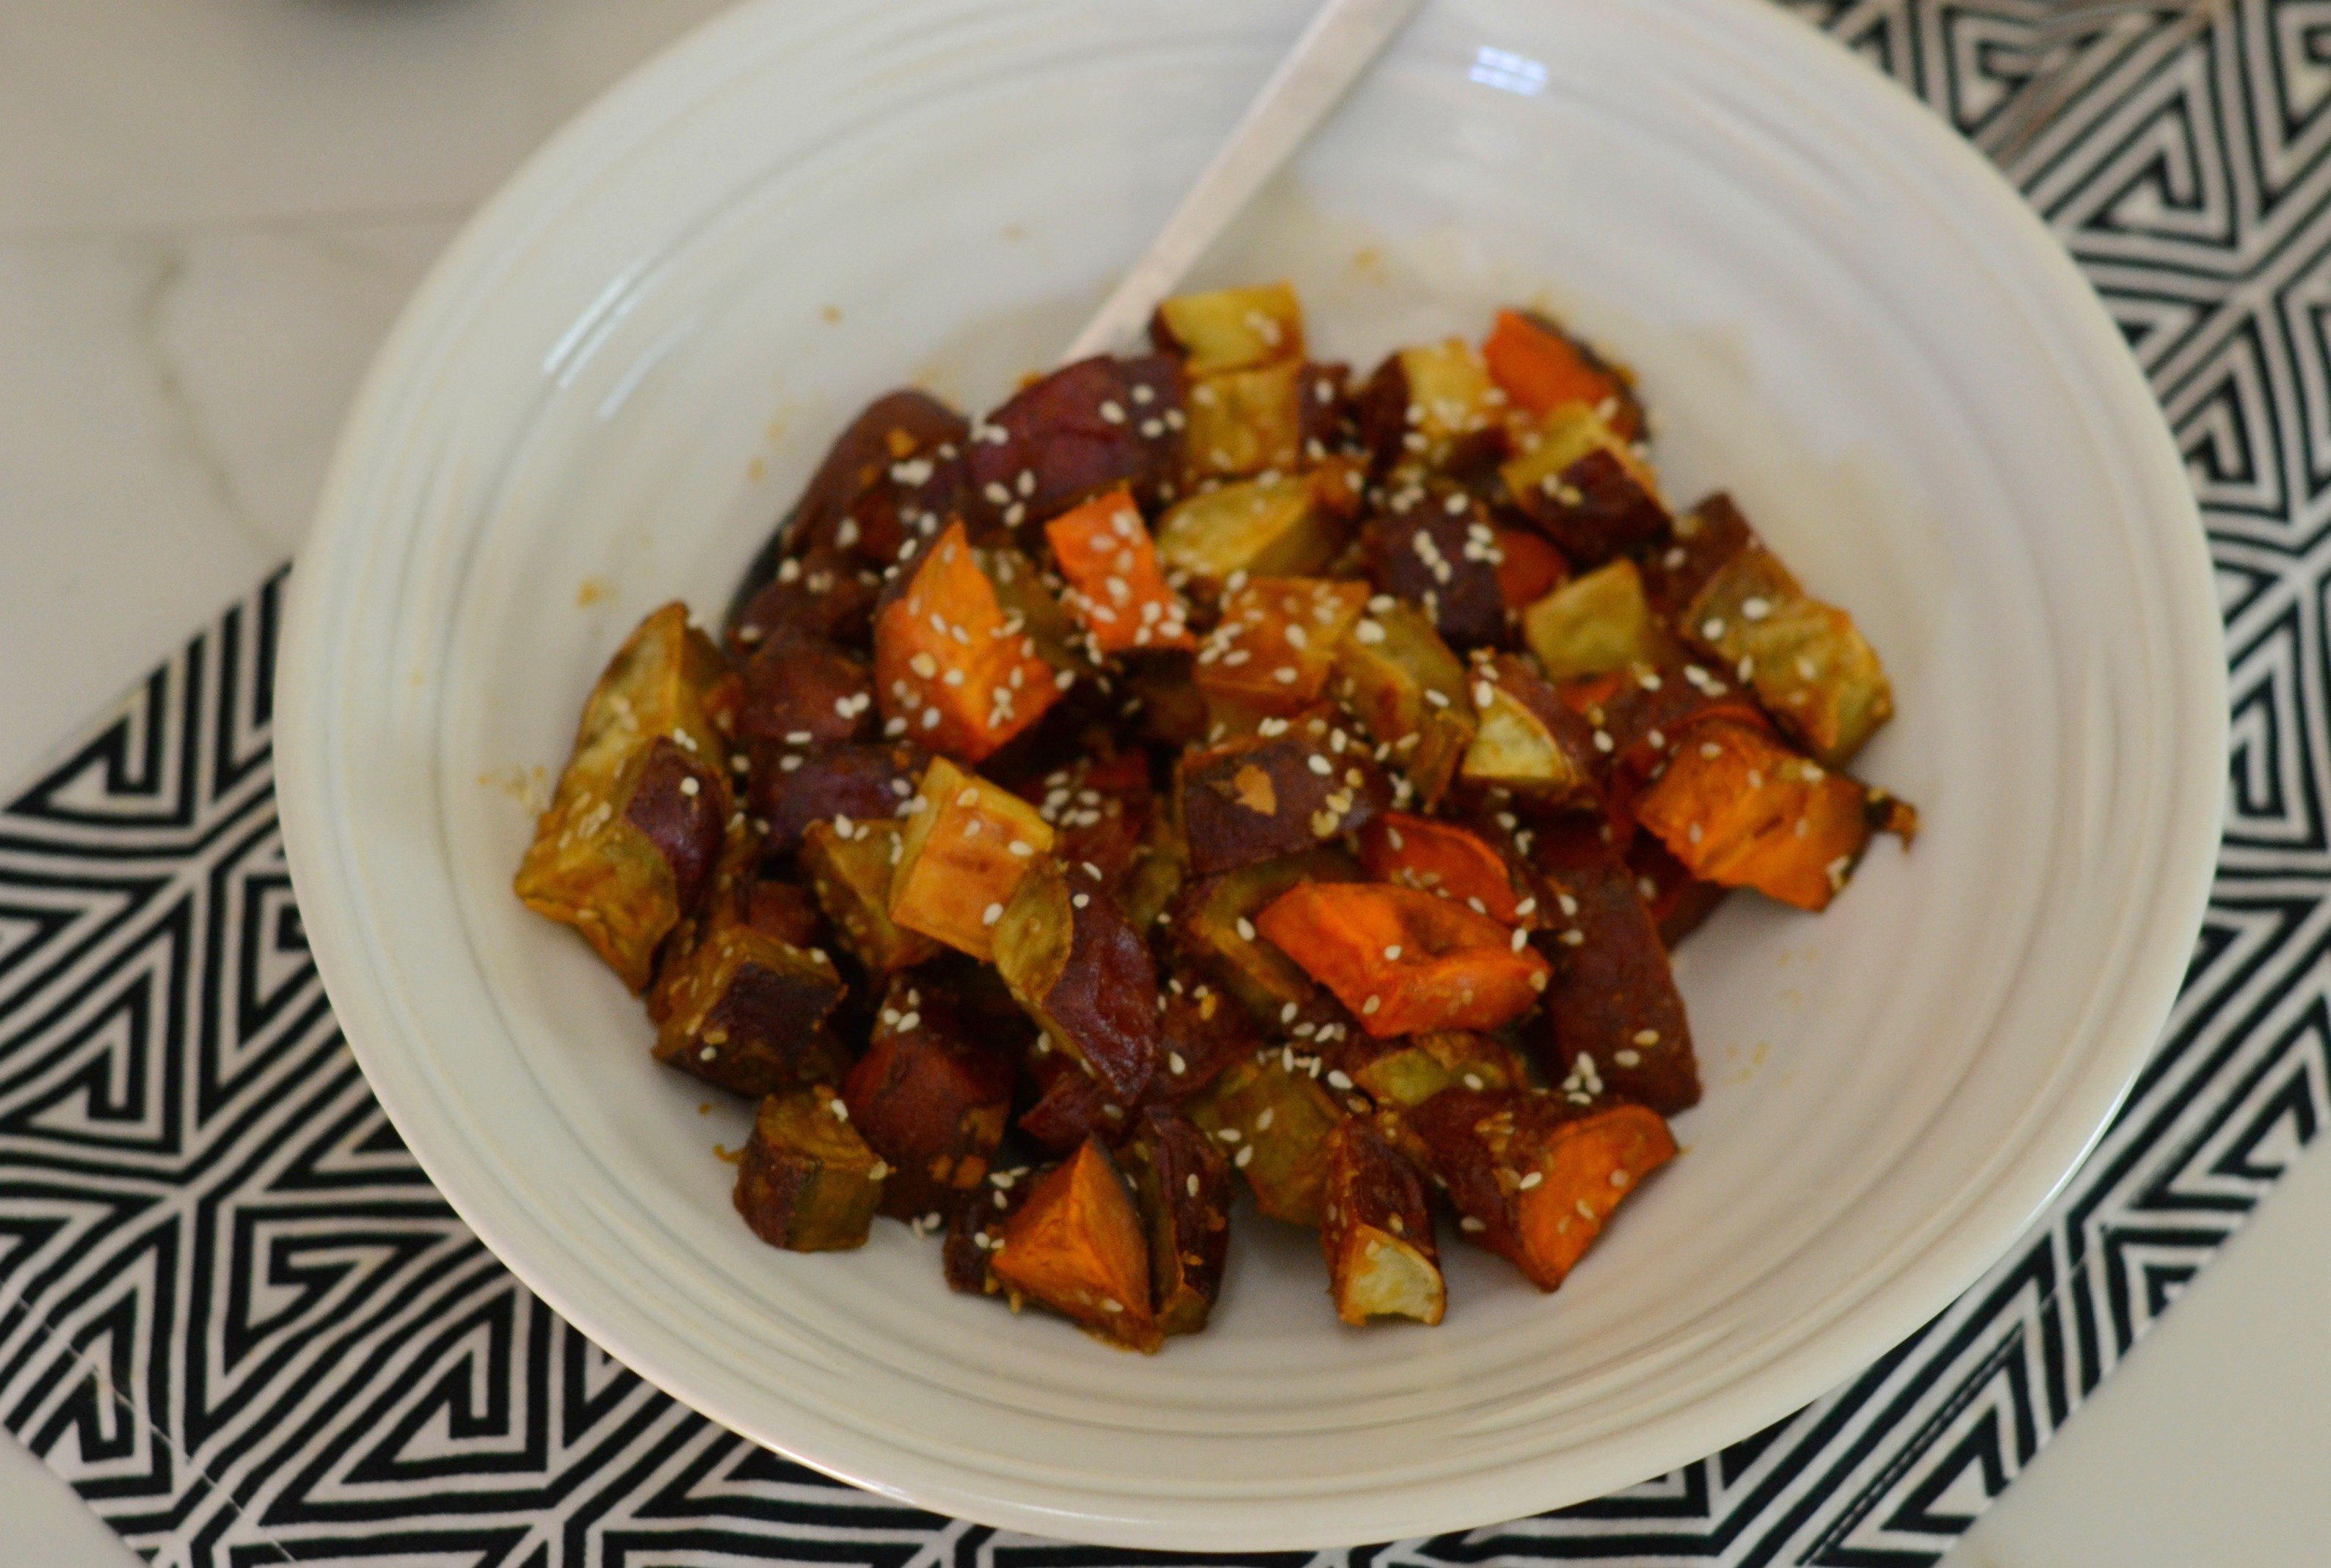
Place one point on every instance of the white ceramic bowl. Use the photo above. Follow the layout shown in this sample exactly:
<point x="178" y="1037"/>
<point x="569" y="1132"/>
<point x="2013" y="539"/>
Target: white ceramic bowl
<point x="615" y="379"/>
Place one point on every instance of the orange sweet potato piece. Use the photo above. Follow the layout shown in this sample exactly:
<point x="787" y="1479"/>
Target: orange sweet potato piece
<point x="1116" y="590"/>
<point x="1534" y="1182"/>
<point x="1376" y="1231"/>
<point x="1272" y="649"/>
<point x="1404" y="961"/>
<point x="949" y="662"/>
<point x="1741" y="810"/>
<point x="1528" y="568"/>
<point x="964" y="851"/>
<point x="1076" y="1243"/>
<point x="1542" y="367"/>
<point x="1438" y="857"/>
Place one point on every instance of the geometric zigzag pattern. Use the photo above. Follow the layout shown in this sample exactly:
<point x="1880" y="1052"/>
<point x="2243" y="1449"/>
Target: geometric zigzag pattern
<point x="238" y="1320"/>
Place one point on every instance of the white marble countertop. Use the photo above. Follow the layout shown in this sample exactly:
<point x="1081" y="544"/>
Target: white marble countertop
<point x="210" y="211"/>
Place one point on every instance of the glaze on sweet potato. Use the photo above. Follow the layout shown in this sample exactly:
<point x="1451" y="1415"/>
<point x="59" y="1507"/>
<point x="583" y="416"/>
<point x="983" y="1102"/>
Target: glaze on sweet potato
<point x="628" y="845"/>
<point x="1272" y="1122"/>
<point x="1585" y="489"/>
<point x="1243" y="422"/>
<point x="1438" y="857"/>
<point x="807" y="1181"/>
<point x="1083" y="430"/>
<point x="930" y="1097"/>
<point x="1613" y="1020"/>
<point x="1201" y="1033"/>
<point x="954" y="670"/>
<point x="1075" y="1244"/>
<point x="1529" y="568"/>
<point x="1740" y="810"/>
<point x="1810" y="666"/>
<point x="1116" y="589"/>
<point x="1276" y="641"/>
<point x="792" y="786"/>
<point x="1434" y="546"/>
<point x="748" y="1013"/>
<point x="1404" y="960"/>
<point x="1407" y="1071"/>
<point x="822" y="592"/>
<point x="1182" y="1185"/>
<point x="1376" y="1232"/>
<point x="1406" y="687"/>
<point x="1431" y="408"/>
<point x="1084" y="974"/>
<point x="965" y="846"/>
<point x="800" y="690"/>
<point x="1678" y="901"/>
<point x="1295" y="783"/>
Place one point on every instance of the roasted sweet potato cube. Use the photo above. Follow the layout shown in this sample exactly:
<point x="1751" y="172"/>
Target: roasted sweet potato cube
<point x="793" y="786"/>
<point x="1528" y="740"/>
<point x="1529" y="568"/>
<point x="628" y="843"/>
<point x="1542" y="367"/>
<point x="808" y="1182"/>
<point x="1438" y="857"/>
<point x="1404" y="961"/>
<point x="726" y="902"/>
<point x="975" y="1227"/>
<point x="1741" y="810"/>
<point x="1182" y="1183"/>
<point x="1077" y="1245"/>
<point x="965" y="849"/>
<point x="1213" y="923"/>
<point x="1404" y="1072"/>
<point x="1637" y="716"/>
<point x="1263" y="527"/>
<point x="747" y="1011"/>
<point x="1070" y="1104"/>
<point x="1163" y="699"/>
<point x="1243" y="421"/>
<point x="1533" y="1183"/>
<point x="1431" y="407"/>
<point x="787" y="911"/>
<point x="1045" y="628"/>
<point x="851" y="877"/>
<point x="1292" y="785"/>
<point x="1812" y="668"/>
<point x="952" y="664"/>
<point x="1585" y="489"/>
<point x="1116" y="590"/>
<point x="801" y="691"/>
<point x="1613" y="1020"/>
<point x="930" y="1097"/>
<point x="1231" y="328"/>
<point x="1594" y="623"/>
<point x="1112" y="832"/>
<point x="1273" y="1122"/>
<point x="824" y="592"/>
<point x="1678" y="901"/>
<point x="1084" y="975"/>
<point x="1376" y="1231"/>
<point x="1271" y="650"/>
<point x="1705" y="538"/>
<point x="1085" y="429"/>
<point x="1201" y="1033"/>
<point x="1406" y="687"/>
<point x="1434" y="545"/>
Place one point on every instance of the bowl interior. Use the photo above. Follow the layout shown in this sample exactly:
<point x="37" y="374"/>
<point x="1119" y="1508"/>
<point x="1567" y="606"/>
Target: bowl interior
<point x="624" y="373"/>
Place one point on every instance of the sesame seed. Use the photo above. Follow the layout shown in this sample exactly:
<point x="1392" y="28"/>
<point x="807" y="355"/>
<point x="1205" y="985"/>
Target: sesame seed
<point x="1229" y="1134"/>
<point x="1243" y="1157"/>
<point x="688" y="787"/>
<point x="990" y="915"/>
<point x="1521" y="939"/>
<point x="1469" y="1223"/>
<point x="1369" y="1007"/>
<point x="1190" y="1184"/>
<point x="1712" y="628"/>
<point x="1245" y="929"/>
<point x="1338" y="1079"/>
<point x="1262" y="1122"/>
<point x="1532" y="1180"/>
<point x="1626" y="1058"/>
<point x="1574" y="937"/>
<point x="1391" y="953"/>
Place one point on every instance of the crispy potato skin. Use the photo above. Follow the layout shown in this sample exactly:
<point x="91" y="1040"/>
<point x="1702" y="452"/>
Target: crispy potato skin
<point x="1706" y="537"/>
<point x="930" y="1097"/>
<point x="802" y="691"/>
<point x="1075" y="1244"/>
<point x="974" y="1229"/>
<point x="793" y="786"/>
<point x="1182" y="1183"/>
<point x="1267" y="796"/>
<point x="823" y="592"/>
<point x="748" y="1013"/>
<point x="1084" y="975"/>
<point x="1434" y="546"/>
<point x="1201" y="1034"/>
<point x="1613" y="1016"/>
<point x="1679" y="901"/>
<point x="1059" y="432"/>
<point x="1376" y="1232"/>
<point x="808" y="1182"/>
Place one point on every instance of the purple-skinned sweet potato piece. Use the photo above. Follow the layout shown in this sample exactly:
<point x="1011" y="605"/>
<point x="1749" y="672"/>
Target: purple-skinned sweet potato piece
<point x="681" y="805"/>
<point x="1277" y="793"/>
<point x="1434" y="546"/>
<point x="930" y="1097"/>
<point x="747" y="1012"/>
<point x="1086" y="428"/>
<point x="1084" y="975"/>
<point x="863" y="783"/>
<point x="1182" y="1183"/>
<point x="802" y="691"/>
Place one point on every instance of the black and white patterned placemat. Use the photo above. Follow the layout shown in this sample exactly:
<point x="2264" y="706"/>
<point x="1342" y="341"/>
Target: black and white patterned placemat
<point x="234" y="1315"/>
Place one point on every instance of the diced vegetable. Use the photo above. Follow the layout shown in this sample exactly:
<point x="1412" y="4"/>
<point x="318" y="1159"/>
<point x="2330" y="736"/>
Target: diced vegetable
<point x="1431" y="408"/>
<point x="793" y="786"/>
<point x="628" y="845"/>
<point x="930" y="1097"/>
<point x="1323" y="396"/>
<point x="1404" y="961"/>
<point x="808" y="1182"/>
<point x="1528" y="740"/>
<point x="1678" y="901"/>
<point x="1213" y="923"/>
<point x="824" y="593"/>
<point x="1400" y="679"/>
<point x="1739" y="809"/>
<point x="965" y="850"/>
<point x="852" y="876"/>
<point x="1084" y="974"/>
<point x="1201" y="1033"/>
<point x="1438" y="857"/>
<point x="948" y="664"/>
<point x="1434" y="545"/>
<point x="747" y="1012"/>
<point x="1597" y="622"/>
<point x="1404" y="1073"/>
<point x="1529" y="568"/>
<point x="1810" y="666"/>
<point x="785" y="910"/>
<point x="1705" y="538"/>
<point x="1243" y="421"/>
<point x="1071" y="1104"/>
<point x="1263" y="527"/>
<point x="1276" y="641"/>
<point x="1231" y="328"/>
<point x="1383" y="1259"/>
<point x="1112" y="832"/>
<point x="1542" y="367"/>
<point x="1294" y="783"/>
<point x="1116" y="590"/>
<point x="1637" y="716"/>
<point x="1085" y="429"/>
<point x="1182" y="1185"/>
<point x="1162" y="697"/>
<point x="1075" y="1244"/>
<point x="1535" y="1186"/>
<point x="975" y="1229"/>
<point x="1585" y="489"/>
<point x="801" y="691"/>
<point x="1047" y="631"/>
<point x="1272" y="1122"/>
<point x="1613" y="1020"/>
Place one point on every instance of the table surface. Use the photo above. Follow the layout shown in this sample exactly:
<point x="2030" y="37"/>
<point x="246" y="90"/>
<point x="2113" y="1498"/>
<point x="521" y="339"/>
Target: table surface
<point x="210" y="211"/>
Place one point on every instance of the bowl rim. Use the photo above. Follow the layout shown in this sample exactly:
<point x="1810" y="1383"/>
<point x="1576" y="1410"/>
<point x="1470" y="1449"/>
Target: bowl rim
<point x="2194" y="702"/>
